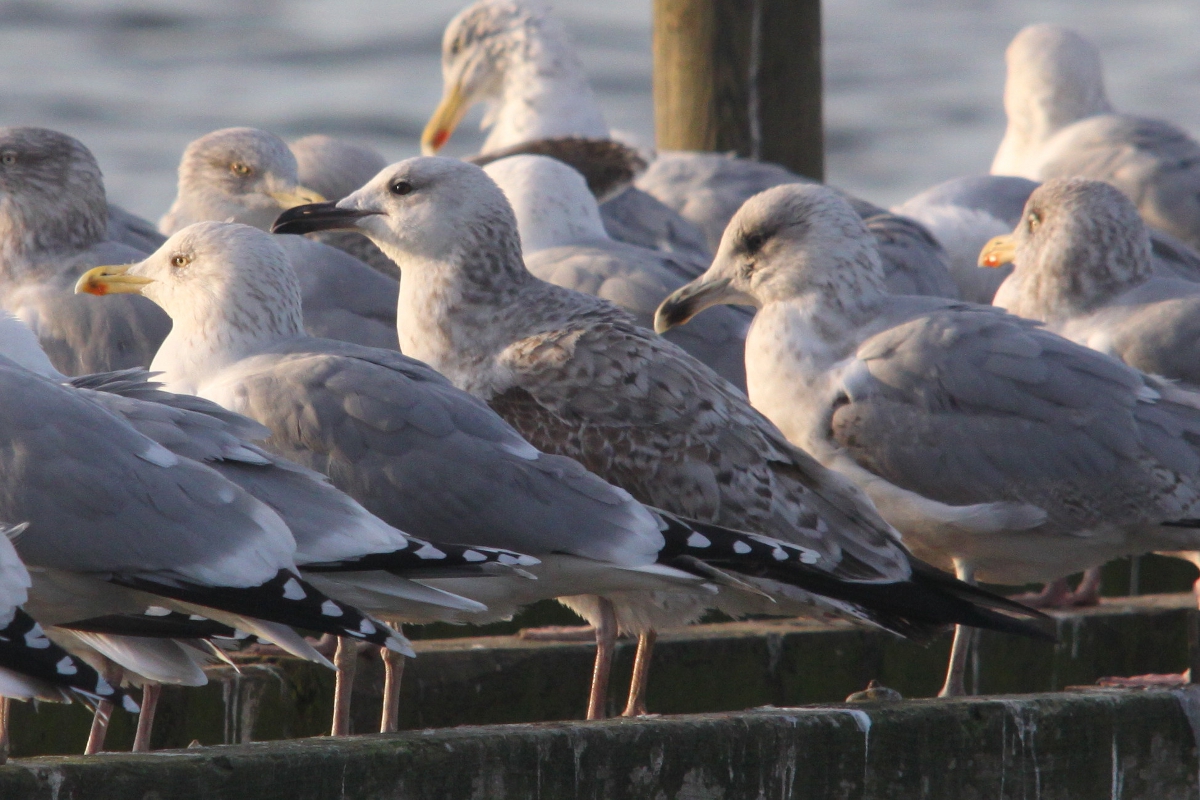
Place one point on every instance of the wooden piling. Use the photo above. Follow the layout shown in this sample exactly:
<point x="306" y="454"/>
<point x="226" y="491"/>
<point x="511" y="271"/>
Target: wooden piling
<point x="741" y="76"/>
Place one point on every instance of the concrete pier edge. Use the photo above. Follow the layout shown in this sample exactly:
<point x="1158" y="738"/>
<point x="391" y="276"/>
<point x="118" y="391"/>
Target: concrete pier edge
<point x="1079" y="744"/>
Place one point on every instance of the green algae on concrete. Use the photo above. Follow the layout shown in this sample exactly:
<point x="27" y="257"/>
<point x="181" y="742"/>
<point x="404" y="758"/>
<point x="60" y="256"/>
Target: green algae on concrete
<point x="1062" y="746"/>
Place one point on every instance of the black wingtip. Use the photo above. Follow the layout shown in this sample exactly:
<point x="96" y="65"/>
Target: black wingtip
<point x="24" y="649"/>
<point x="285" y="599"/>
<point x="918" y="607"/>
<point x="424" y="559"/>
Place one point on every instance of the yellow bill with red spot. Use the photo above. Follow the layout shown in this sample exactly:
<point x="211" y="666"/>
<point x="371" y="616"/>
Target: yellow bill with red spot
<point x="110" y="280"/>
<point x="1000" y="250"/>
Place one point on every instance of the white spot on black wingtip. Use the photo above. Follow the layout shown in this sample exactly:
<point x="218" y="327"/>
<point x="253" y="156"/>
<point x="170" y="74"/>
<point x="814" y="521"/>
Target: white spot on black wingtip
<point x="331" y="609"/>
<point x="129" y="705"/>
<point x="158" y="611"/>
<point x="66" y="666"/>
<point x="473" y="555"/>
<point x="428" y="551"/>
<point x="809" y="556"/>
<point x="35" y="639"/>
<point x="366" y="627"/>
<point x="292" y="590"/>
<point x="741" y="548"/>
<point x="779" y="554"/>
<point x="698" y="540"/>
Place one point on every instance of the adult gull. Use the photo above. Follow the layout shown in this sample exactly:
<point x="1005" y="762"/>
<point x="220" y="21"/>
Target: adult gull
<point x="248" y="175"/>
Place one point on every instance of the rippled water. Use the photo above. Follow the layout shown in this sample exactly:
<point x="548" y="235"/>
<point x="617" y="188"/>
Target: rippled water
<point x="913" y="87"/>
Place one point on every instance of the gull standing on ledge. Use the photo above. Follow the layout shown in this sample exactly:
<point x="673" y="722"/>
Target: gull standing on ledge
<point x="1061" y="125"/>
<point x="247" y="175"/>
<point x="577" y="377"/>
<point x="987" y="441"/>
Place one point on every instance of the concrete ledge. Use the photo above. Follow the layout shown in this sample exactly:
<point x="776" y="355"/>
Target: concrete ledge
<point x="706" y="668"/>
<point x="1069" y="745"/>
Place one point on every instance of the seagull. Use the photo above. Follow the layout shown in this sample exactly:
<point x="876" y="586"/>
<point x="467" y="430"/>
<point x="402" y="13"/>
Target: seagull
<point x="248" y="175"/>
<point x="988" y="441"/>
<point x="1083" y="266"/>
<point x="517" y="58"/>
<point x="54" y="226"/>
<point x="1061" y="125"/>
<point x="31" y="665"/>
<point x="578" y="378"/>
<point x="334" y="168"/>
<point x="564" y="242"/>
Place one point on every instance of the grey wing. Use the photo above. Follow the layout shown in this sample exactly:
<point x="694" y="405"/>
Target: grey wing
<point x="970" y="405"/>
<point x="100" y="497"/>
<point x="645" y="415"/>
<point x="637" y="280"/>
<point x="360" y="247"/>
<point x="343" y="298"/>
<point x="708" y="188"/>
<point x="327" y="525"/>
<point x="82" y="334"/>
<point x="1153" y="162"/>
<point x="913" y="261"/>
<point x="636" y="217"/>
<point x="607" y="165"/>
<point x="1001" y="197"/>
<point x="133" y="231"/>
<point x="432" y="460"/>
<point x="1159" y="338"/>
<point x="1173" y="258"/>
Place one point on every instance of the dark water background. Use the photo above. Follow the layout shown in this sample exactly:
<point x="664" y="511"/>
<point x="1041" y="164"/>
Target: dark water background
<point x="913" y="88"/>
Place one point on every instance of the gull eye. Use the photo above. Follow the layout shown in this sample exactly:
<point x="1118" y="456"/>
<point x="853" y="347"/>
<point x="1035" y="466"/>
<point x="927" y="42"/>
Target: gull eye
<point x="401" y="187"/>
<point x="238" y="168"/>
<point x="180" y="260"/>
<point x="753" y="242"/>
<point x="8" y="158"/>
<point x="1034" y="219"/>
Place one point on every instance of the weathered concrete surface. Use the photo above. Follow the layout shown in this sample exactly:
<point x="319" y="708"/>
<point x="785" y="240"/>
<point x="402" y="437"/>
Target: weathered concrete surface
<point x="1061" y="746"/>
<point x="706" y="668"/>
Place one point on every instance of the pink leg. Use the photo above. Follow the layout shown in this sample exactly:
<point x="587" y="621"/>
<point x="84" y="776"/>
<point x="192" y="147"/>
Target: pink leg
<point x="636" y="706"/>
<point x="113" y="673"/>
<point x="345" y="660"/>
<point x="393" y="670"/>
<point x="606" y="642"/>
<point x="150" y="693"/>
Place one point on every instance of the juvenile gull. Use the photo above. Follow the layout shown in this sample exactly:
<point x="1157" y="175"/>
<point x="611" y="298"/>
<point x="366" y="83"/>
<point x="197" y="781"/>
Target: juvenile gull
<point x="53" y="227"/>
<point x="564" y="242"/>
<point x="986" y="440"/>
<point x="335" y="168"/>
<point x="247" y="175"/>
<point x="576" y="376"/>
<point x="1061" y="125"/>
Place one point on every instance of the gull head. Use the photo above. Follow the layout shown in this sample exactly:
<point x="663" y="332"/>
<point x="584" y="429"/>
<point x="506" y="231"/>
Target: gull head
<point x="1055" y="78"/>
<point x="217" y="280"/>
<point x="425" y="213"/>
<point x="1079" y="243"/>
<point x="514" y="56"/>
<point x="791" y="241"/>
<point x="51" y="194"/>
<point x="551" y="201"/>
<point x="334" y="167"/>
<point x="236" y="175"/>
